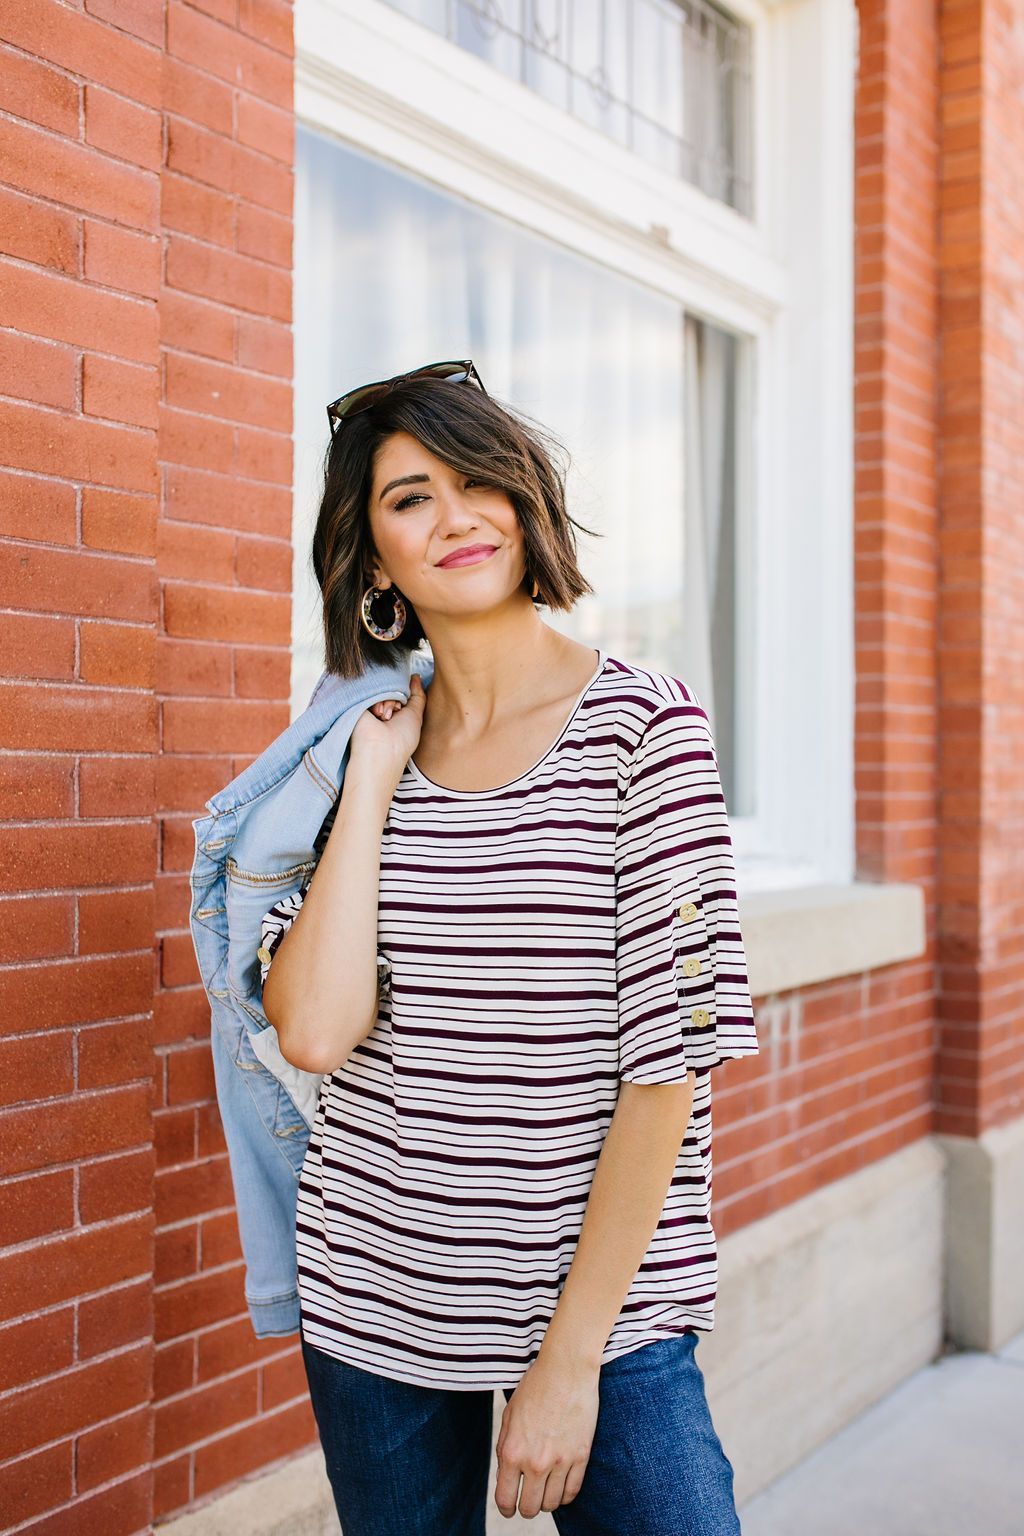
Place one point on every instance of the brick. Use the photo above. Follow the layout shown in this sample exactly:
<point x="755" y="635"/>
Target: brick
<point x="265" y="345"/>
<point x="263" y="456"/>
<point x="36" y="1346"/>
<point x="202" y="211"/>
<point x="34" y="1207"/>
<point x="123" y="1506"/>
<point x="115" y="1318"/>
<point x="53" y="306"/>
<point x="79" y="1127"/>
<point x="199" y="1302"/>
<point x="119" y="1446"/>
<point x="48" y="580"/>
<point x="142" y="18"/>
<point x="118" y="786"/>
<point x="123" y="259"/>
<point x="37" y="508"/>
<point x="52" y="1271"/>
<point x="179" y="838"/>
<point x="190" y="1073"/>
<point x="197" y="154"/>
<point x="220" y="725"/>
<point x="264" y="563"/>
<point x="245" y="63"/>
<point x="35" y="231"/>
<point x="78" y="176"/>
<point x="239" y="281"/>
<point x="36" y="788"/>
<point x="204" y="1412"/>
<point x="36" y="928"/>
<point x="194" y="325"/>
<point x="262" y="673"/>
<point x="31" y="89"/>
<point x="76" y="854"/>
<point x="270" y="21"/>
<point x="207" y="613"/>
<point x="76" y="448"/>
<point x="113" y="1054"/>
<point x="188" y="1191"/>
<point x="117" y="1186"/>
<point x="114" y="521"/>
<point x="195" y="384"/>
<point x="266" y="128"/>
<point x="115" y="921"/>
<point x="172" y="1485"/>
<point x="38" y="370"/>
<point x="264" y="181"/>
<point x="34" y="1484"/>
<point x="193" y="94"/>
<point x="67" y="1403"/>
<point x="219" y="1462"/>
<point x="85" y="46"/>
<point x="191" y="668"/>
<point x="123" y="392"/>
<point x="36" y="647"/>
<point x="186" y="439"/>
<point x="204" y="554"/>
<point x="174" y="1139"/>
<point x="123" y="128"/>
<point x="36" y="1066"/>
<point x="196" y="496"/>
<point x="265" y="235"/>
<point x="212" y="1142"/>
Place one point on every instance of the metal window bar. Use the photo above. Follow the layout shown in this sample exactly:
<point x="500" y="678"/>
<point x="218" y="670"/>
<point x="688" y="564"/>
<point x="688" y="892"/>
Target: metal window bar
<point x="707" y="141"/>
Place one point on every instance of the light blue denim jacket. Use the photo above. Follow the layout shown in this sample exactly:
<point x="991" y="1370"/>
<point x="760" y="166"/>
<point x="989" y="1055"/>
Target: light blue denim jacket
<point x="255" y="846"/>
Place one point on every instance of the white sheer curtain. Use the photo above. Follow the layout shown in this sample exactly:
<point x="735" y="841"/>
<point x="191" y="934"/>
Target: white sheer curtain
<point x="391" y="273"/>
<point x="709" y="577"/>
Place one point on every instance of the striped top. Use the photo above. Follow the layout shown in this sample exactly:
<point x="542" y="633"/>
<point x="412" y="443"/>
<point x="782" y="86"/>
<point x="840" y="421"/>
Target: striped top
<point x="543" y="940"/>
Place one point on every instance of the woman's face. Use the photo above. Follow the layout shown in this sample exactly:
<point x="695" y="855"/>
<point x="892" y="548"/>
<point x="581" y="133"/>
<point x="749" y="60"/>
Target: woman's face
<point x="429" y="527"/>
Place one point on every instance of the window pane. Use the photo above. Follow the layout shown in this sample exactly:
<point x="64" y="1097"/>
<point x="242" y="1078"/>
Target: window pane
<point x="392" y="273"/>
<point x="667" y="79"/>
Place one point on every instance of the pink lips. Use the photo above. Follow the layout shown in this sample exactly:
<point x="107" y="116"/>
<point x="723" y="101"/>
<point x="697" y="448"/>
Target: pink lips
<point x="468" y="556"/>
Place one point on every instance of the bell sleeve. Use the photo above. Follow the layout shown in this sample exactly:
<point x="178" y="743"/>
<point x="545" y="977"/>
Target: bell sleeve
<point x="684" y="1001"/>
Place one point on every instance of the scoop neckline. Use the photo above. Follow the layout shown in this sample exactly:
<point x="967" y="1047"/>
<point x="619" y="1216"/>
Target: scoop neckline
<point x="477" y="794"/>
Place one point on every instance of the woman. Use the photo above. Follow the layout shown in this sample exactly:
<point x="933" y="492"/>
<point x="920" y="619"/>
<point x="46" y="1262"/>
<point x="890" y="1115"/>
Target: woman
<point x="516" y="964"/>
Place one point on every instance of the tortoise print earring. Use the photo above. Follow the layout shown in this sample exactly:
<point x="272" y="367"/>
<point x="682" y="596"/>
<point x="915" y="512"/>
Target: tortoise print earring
<point x="393" y="628"/>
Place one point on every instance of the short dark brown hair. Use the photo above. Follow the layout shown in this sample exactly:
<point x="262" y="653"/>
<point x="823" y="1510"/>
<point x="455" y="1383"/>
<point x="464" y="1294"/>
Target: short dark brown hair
<point x="475" y="434"/>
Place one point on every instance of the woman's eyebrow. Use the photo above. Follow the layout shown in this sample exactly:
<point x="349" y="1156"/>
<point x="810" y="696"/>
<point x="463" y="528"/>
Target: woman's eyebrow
<point x="404" y="480"/>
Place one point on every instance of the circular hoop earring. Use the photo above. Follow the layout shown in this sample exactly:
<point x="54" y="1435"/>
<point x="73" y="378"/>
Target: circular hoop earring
<point x="382" y="631"/>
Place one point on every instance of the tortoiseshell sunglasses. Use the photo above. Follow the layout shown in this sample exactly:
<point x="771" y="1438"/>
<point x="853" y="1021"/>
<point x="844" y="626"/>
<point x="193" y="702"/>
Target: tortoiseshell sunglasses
<point x="361" y="398"/>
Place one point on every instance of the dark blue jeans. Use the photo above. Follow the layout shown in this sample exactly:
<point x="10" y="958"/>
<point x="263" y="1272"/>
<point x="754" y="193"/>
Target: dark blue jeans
<point x="406" y="1460"/>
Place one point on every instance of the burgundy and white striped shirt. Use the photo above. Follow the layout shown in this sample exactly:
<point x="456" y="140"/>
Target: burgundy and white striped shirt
<point x="546" y="939"/>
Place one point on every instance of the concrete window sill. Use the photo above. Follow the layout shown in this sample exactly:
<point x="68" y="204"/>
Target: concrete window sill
<point x="796" y="937"/>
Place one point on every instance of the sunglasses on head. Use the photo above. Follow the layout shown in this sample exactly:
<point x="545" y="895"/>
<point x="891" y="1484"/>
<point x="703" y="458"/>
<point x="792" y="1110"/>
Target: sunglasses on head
<point x="361" y="398"/>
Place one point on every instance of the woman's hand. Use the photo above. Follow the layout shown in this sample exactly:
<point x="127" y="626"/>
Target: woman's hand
<point x="547" y="1430"/>
<point x="387" y="733"/>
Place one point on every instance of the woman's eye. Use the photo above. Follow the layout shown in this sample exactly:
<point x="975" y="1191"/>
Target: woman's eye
<point x="407" y="501"/>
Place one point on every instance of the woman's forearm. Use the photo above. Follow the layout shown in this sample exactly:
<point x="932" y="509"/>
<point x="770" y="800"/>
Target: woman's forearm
<point x="321" y="992"/>
<point x="627" y="1196"/>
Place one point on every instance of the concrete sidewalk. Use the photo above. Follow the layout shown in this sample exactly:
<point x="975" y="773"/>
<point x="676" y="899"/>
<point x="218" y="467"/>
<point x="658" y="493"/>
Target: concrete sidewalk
<point x="942" y="1455"/>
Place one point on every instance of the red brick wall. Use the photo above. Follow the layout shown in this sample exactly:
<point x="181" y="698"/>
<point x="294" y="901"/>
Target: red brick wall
<point x="145" y="413"/>
<point x="225" y="1403"/>
<point x="145" y="416"/>
<point x="980" y="1063"/>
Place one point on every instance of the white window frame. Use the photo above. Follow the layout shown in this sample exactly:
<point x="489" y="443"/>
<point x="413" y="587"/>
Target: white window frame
<point x="393" y="88"/>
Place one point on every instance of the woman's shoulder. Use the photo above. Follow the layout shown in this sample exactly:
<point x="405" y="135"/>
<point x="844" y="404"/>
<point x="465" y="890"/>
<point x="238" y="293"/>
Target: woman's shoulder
<point x="637" y="694"/>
